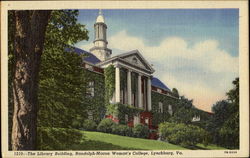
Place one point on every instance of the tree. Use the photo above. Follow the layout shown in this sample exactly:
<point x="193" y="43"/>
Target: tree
<point x="175" y="92"/>
<point x="30" y="27"/>
<point x="62" y="78"/>
<point x="63" y="67"/>
<point x="229" y="132"/>
<point x="224" y="125"/>
<point x="185" y="112"/>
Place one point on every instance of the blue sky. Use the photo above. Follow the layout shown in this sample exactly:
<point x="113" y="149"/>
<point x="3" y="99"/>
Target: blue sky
<point x="154" y="25"/>
<point x="194" y="50"/>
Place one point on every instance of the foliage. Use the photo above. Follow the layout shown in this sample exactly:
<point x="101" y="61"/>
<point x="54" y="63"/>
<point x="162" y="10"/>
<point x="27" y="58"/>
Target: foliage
<point x="109" y="74"/>
<point x="57" y="138"/>
<point x="224" y="125"/>
<point x="183" y="115"/>
<point x="141" y="131"/>
<point x="122" y="130"/>
<point x="61" y="84"/>
<point x="166" y="100"/>
<point x="182" y="134"/>
<point x="175" y="92"/>
<point x="229" y="132"/>
<point x="233" y="94"/>
<point x="95" y="105"/>
<point x="120" y="110"/>
<point x="89" y="125"/>
<point x="105" y="126"/>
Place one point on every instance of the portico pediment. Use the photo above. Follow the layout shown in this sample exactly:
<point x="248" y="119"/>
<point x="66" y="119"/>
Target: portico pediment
<point x="135" y="58"/>
<point x="132" y="59"/>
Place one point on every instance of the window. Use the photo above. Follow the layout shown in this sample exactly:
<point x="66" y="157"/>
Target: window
<point x="159" y="90"/>
<point x="160" y="110"/>
<point x="90" y="91"/>
<point x="90" y="115"/>
<point x="170" y="110"/>
<point x="126" y="118"/>
<point x="196" y="118"/>
<point x="89" y="67"/>
<point x="146" y="120"/>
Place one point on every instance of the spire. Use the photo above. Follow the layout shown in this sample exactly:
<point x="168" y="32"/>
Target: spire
<point x="100" y="18"/>
<point x="100" y="49"/>
<point x="100" y="12"/>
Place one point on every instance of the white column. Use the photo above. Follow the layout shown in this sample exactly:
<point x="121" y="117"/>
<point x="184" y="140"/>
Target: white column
<point x="149" y="94"/>
<point x="139" y="92"/>
<point x="117" y="84"/>
<point x="129" y="87"/>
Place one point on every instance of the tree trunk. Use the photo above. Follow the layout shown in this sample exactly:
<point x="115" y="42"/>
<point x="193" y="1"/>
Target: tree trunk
<point x="29" y="41"/>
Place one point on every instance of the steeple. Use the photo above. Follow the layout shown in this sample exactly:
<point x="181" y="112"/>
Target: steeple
<point x="100" y="49"/>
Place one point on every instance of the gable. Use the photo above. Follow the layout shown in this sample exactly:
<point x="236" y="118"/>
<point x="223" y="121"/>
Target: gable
<point x="136" y="59"/>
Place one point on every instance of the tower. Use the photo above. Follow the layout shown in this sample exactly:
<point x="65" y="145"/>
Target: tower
<point x="100" y="49"/>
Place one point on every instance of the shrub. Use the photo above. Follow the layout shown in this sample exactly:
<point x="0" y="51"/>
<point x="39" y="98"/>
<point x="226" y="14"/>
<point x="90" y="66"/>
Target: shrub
<point x="141" y="131"/>
<point x="89" y="125"/>
<point x="126" y="130"/>
<point x="123" y="130"/>
<point x="105" y="126"/>
<point x="49" y="138"/>
<point x="182" y="134"/>
<point x="115" y="129"/>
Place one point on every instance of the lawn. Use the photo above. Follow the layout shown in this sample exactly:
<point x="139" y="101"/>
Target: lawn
<point x="104" y="141"/>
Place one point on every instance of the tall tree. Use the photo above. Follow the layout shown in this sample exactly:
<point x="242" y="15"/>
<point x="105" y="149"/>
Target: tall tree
<point x="224" y="125"/>
<point x="30" y="27"/>
<point x="62" y="79"/>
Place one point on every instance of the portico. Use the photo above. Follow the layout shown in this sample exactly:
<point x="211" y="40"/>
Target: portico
<point x="141" y="97"/>
<point x="132" y="80"/>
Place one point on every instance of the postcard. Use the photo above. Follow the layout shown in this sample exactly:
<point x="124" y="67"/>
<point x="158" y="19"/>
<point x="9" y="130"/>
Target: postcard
<point x="124" y="79"/>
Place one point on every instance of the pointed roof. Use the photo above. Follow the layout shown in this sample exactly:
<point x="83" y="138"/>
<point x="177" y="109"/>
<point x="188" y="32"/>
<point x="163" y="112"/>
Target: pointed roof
<point x="100" y="17"/>
<point x="130" y="53"/>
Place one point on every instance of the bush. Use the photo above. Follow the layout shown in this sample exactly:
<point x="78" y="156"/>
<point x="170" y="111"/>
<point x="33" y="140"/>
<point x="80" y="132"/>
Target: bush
<point x="141" y="131"/>
<point x="49" y="138"/>
<point x="123" y="130"/>
<point x="89" y="125"/>
<point x="182" y="134"/>
<point x="105" y="126"/>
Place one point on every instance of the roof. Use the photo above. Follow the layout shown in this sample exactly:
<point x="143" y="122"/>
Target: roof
<point x="100" y="17"/>
<point x="157" y="83"/>
<point x="89" y="56"/>
<point x="121" y="56"/>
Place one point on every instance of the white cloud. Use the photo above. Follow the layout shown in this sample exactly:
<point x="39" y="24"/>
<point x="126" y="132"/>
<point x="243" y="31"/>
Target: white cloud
<point x="202" y="71"/>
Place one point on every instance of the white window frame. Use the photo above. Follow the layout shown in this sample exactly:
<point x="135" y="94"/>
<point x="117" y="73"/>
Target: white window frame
<point x="90" y="90"/>
<point x="160" y="107"/>
<point x="170" y="109"/>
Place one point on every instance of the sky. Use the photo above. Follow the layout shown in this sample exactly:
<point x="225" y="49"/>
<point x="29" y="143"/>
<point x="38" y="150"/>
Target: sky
<point x="193" y="50"/>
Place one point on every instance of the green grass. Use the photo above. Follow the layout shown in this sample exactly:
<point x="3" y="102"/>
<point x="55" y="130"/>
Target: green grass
<point x="105" y="141"/>
<point x="210" y="147"/>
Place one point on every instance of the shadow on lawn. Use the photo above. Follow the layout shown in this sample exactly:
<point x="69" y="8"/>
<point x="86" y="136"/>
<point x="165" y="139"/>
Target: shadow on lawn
<point x="98" y="145"/>
<point x="196" y="148"/>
